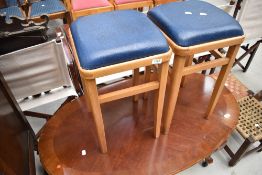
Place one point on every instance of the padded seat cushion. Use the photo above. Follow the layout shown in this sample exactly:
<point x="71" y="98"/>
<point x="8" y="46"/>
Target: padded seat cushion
<point x="194" y="22"/>
<point x="114" y="37"/>
<point x="46" y="7"/>
<point x="11" y="11"/>
<point x="127" y="1"/>
<point x="10" y="3"/>
<point x="87" y="4"/>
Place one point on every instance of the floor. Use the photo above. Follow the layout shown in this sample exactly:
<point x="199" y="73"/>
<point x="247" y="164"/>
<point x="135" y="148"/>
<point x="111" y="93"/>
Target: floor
<point x="250" y="165"/>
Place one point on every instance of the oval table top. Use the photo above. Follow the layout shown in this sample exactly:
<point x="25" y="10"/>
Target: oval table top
<point x="70" y="133"/>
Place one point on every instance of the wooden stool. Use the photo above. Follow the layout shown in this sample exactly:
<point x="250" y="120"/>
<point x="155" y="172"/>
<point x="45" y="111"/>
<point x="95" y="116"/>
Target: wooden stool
<point x="193" y="27"/>
<point x="114" y="42"/>
<point x="78" y="8"/>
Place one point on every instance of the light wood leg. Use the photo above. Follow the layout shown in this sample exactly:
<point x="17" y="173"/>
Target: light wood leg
<point x="189" y="61"/>
<point x="135" y="81"/>
<point x="176" y="76"/>
<point x="147" y="78"/>
<point x="97" y="114"/>
<point x="225" y="70"/>
<point x="86" y="94"/>
<point x="159" y="97"/>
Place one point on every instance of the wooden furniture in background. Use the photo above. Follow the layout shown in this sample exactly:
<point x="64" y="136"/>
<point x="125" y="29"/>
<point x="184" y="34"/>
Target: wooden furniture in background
<point x="129" y="125"/>
<point x="132" y="4"/>
<point x="79" y="8"/>
<point x="249" y="127"/>
<point x="159" y="2"/>
<point x="17" y="137"/>
<point x="54" y="9"/>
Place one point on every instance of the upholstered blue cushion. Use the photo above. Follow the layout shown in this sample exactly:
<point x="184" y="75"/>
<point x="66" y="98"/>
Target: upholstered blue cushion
<point x="10" y="3"/>
<point x="11" y="11"/>
<point x="194" y="22"/>
<point x="46" y="7"/>
<point x="114" y="37"/>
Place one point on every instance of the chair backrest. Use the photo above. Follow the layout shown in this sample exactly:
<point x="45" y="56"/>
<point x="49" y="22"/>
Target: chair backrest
<point x="37" y="69"/>
<point x="16" y="136"/>
<point x="250" y="17"/>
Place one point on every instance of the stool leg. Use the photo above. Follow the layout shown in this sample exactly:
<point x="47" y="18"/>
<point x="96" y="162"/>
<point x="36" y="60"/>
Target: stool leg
<point x="188" y="63"/>
<point x="96" y="111"/>
<point x="147" y="78"/>
<point x="240" y="152"/>
<point x="232" y="52"/>
<point x="159" y="97"/>
<point x="135" y="82"/>
<point x="86" y="95"/>
<point x="176" y="76"/>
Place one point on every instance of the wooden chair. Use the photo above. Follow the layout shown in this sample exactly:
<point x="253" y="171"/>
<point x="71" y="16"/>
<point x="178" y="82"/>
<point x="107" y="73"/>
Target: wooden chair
<point x="159" y="2"/>
<point x="248" y="13"/>
<point x="79" y="8"/>
<point x="16" y="135"/>
<point x="54" y="9"/>
<point x="249" y="127"/>
<point x="114" y="48"/>
<point x="190" y="30"/>
<point x="133" y="4"/>
<point x="249" y="123"/>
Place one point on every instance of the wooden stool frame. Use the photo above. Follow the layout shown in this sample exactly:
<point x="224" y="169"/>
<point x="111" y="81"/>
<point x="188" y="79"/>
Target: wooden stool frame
<point x="182" y="66"/>
<point x="76" y="14"/>
<point x="133" y="5"/>
<point x="94" y="100"/>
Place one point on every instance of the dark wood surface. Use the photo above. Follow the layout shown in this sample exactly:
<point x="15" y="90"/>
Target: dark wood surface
<point x="16" y="136"/>
<point x="129" y="132"/>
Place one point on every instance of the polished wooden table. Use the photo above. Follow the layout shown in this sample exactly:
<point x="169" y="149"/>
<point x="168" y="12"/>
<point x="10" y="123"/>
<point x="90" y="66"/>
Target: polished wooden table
<point x="129" y="131"/>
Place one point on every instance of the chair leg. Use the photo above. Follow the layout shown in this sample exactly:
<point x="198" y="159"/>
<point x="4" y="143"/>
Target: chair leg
<point x="90" y="85"/>
<point x="176" y="77"/>
<point x="159" y="97"/>
<point x="260" y="146"/>
<point x="135" y="82"/>
<point x="240" y="152"/>
<point x="86" y="95"/>
<point x="147" y="78"/>
<point x="189" y="62"/>
<point x="232" y="52"/>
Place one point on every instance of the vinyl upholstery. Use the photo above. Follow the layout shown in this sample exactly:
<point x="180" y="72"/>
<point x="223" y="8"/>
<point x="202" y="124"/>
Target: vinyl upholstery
<point x="114" y="37"/>
<point x="194" y="22"/>
<point x="11" y="11"/>
<point x="87" y="4"/>
<point x="46" y="7"/>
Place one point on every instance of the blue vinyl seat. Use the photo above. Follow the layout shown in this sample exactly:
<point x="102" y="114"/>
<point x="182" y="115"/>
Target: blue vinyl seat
<point x="47" y="7"/>
<point x="115" y="37"/>
<point x="194" y="22"/>
<point x="10" y="3"/>
<point x="11" y="11"/>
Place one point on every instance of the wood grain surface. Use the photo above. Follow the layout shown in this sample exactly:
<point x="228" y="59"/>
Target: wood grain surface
<point x="129" y="132"/>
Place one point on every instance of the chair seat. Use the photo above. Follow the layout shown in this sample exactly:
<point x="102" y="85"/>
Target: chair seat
<point x="194" y="22"/>
<point x="11" y="11"/>
<point x="250" y="119"/>
<point x="46" y="7"/>
<point x="127" y="1"/>
<point x="87" y="4"/>
<point x="10" y="3"/>
<point x="114" y="37"/>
